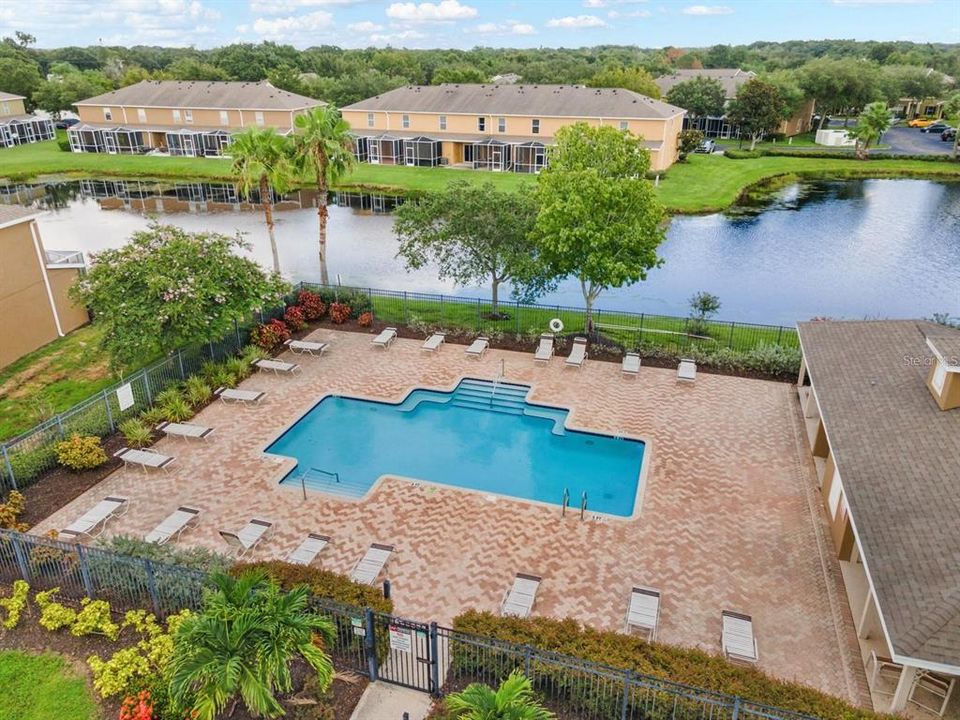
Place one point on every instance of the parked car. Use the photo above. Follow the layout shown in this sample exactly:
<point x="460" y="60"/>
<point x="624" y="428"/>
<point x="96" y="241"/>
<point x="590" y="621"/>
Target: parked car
<point x="707" y="146"/>
<point x="949" y="134"/>
<point x="66" y="123"/>
<point x="921" y="122"/>
<point x="937" y="127"/>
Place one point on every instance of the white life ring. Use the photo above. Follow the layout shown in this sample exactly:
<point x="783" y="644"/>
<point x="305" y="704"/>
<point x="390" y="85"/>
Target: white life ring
<point x="556" y="325"/>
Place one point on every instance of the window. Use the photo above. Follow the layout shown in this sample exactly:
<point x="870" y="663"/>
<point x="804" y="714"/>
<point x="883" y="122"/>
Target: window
<point x="481" y="124"/>
<point x="369" y="119"/>
<point x="141" y="115"/>
<point x="624" y="125"/>
<point x="535" y="126"/>
<point x="405" y="121"/>
<point x="259" y="117"/>
<point x="188" y="117"/>
<point x="443" y="122"/>
<point x="939" y="377"/>
<point x="501" y="124"/>
<point x="224" y="117"/>
<point x="107" y="114"/>
<point x="176" y="116"/>
<point x="5" y="108"/>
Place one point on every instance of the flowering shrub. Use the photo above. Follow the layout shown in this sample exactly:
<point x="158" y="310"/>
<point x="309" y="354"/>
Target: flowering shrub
<point x="137" y="707"/>
<point x="339" y="313"/>
<point x="15" y="603"/>
<point x="80" y="452"/>
<point x="10" y="510"/>
<point x="365" y="319"/>
<point x="294" y="318"/>
<point x="270" y="335"/>
<point x="53" y="615"/>
<point x="312" y="305"/>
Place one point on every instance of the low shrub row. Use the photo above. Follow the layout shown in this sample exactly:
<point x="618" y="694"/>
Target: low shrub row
<point x="738" y="154"/>
<point x="339" y="306"/>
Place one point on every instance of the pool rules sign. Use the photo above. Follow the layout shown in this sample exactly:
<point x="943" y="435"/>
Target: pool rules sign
<point x="400" y="639"/>
<point x="125" y="397"/>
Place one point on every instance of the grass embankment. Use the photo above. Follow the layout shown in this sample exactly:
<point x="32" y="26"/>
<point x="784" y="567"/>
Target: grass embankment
<point x="52" y="379"/>
<point x="41" y="687"/>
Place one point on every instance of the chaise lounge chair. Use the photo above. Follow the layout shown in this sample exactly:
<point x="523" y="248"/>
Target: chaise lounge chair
<point x="304" y="347"/>
<point x="306" y="552"/>
<point x="385" y="338"/>
<point x="687" y="371"/>
<point x="739" y="643"/>
<point x="277" y="367"/>
<point x="369" y="567"/>
<point x="478" y="347"/>
<point x="578" y="353"/>
<point x="174" y="524"/>
<point x="631" y="364"/>
<point x="94" y="521"/>
<point x="518" y="600"/>
<point x="644" y="611"/>
<point x="544" y="349"/>
<point x="185" y="430"/>
<point x="245" y="397"/>
<point x="251" y="535"/>
<point x="433" y="343"/>
<point x="145" y="459"/>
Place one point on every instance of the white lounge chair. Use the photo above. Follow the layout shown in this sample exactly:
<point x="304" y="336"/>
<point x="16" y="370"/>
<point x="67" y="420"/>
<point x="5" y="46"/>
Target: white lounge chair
<point x="277" y="367"/>
<point x="94" y="521"/>
<point x="631" y="364"/>
<point x="369" y="567"/>
<point x="305" y="347"/>
<point x="518" y="600"/>
<point x="578" y="353"/>
<point x="306" y="552"/>
<point x="644" y="611"/>
<point x="246" y="397"/>
<point x="478" y="347"/>
<point x="739" y="643"/>
<point x="251" y="535"/>
<point x="385" y="338"/>
<point x="433" y="343"/>
<point x="687" y="370"/>
<point x="145" y="459"/>
<point x="544" y="349"/>
<point x="173" y="525"/>
<point x="185" y="430"/>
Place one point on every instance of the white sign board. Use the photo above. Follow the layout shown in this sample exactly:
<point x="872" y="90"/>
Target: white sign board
<point x="400" y="639"/>
<point x="125" y="397"/>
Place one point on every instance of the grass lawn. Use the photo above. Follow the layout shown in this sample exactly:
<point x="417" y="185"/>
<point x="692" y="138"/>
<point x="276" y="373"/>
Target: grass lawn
<point x="42" y="687"/>
<point x="52" y="379"/>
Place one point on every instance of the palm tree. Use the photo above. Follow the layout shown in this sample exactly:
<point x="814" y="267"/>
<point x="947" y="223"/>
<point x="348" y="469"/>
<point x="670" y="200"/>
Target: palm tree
<point x="513" y="700"/>
<point x="261" y="159"/>
<point x="873" y="122"/>
<point x="242" y="643"/>
<point x="324" y="145"/>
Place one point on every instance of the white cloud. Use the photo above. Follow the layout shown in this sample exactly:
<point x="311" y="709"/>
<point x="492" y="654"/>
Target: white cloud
<point x="280" y="7"/>
<point x="285" y="27"/>
<point x="443" y="11"/>
<point x="707" y="10"/>
<point x="594" y="3"/>
<point x="510" y="27"/>
<point x="364" y="26"/>
<point x="578" y="21"/>
<point x="631" y="14"/>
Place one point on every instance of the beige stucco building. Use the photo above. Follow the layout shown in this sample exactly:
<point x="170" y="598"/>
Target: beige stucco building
<point x="882" y="411"/>
<point x="501" y="127"/>
<point x="17" y="126"/>
<point x="193" y="118"/>
<point x="34" y="306"/>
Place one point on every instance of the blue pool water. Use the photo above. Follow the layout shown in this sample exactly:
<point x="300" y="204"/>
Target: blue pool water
<point x="472" y="438"/>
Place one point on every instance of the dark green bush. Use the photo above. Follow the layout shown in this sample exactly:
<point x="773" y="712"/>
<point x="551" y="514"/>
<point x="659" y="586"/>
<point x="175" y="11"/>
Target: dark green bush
<point x="358" y="300"/>
<point x="735" y="154"/>
<point x="31" y="464"/>
<point x="63" y="143"/>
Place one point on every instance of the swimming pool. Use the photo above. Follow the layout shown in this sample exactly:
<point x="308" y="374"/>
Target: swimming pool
<point x="477" y="437"/>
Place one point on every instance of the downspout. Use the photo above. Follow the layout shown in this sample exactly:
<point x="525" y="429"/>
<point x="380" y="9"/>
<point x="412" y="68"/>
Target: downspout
<point x="46" y="279"/>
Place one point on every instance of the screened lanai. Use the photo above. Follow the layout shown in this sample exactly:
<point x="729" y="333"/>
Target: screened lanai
<point x="20" y="130"/>
<point x="118" y="140"/>
<point x="488" y="154"/>
<point x="384" y="149"/>
<point x="529" y="157"/>
<point x="197" y="143"/>
<point x="422" y="151"/>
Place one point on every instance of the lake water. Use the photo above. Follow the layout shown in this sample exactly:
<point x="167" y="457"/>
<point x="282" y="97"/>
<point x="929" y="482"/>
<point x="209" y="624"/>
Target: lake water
<point x="851" y="249"/>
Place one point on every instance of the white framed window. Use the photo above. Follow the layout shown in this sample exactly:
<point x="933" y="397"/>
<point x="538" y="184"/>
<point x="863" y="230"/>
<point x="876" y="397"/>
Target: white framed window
<point x="5" y="108"/>
<point x="939" y="377"/>
<point x="535" y="126"/>
<point x="141" y="115"/>
<point x="370" y="120"/>
<point x="224" y="117"/>
<point x="107" y="114"/>
<point x="188" y="117"/>
<point x="258" y="116"/>
<point x="501" y="124"/>
<point x="443" y="122"/>
<point x="481" y="124"/>
<point x="624" y="125"/>
<point x="176" y="116"/>
<point x="405" y="121"/>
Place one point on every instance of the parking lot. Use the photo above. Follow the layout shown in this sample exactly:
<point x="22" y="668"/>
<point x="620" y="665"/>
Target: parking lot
<point x="910" y="141"/>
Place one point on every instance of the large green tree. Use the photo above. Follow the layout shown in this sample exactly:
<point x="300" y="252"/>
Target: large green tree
<point x="474" y="234"/>
<point x="840" y="85"/>
<point x="512" y="700"/>
<point x="873" y="122"/>
<point x="20" y="77"/>
<point x="263" y="159"/>
<point x="241" y="644"/>
<point x="324" y="146"/>
<point x="630" y="78"/>
<point x="757" y="109"/>
<point x="459" y="73"/>
<point x="67" y="85"/>
<point x="598" y="218"/>
<point x="910" y="81"/>
<point x="168" y="288"/>
<point x="700" y="96"/>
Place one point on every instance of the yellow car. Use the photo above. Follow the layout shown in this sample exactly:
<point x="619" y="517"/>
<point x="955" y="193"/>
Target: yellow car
<point x="920" y="122"/>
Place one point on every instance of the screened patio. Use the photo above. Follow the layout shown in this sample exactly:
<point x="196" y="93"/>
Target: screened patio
<point x="123" y="141"/>
<point x="384" y="150"/>
<point x="529" y="157"/>
<point x="25" y="130"/>
<point x="488" y="154"/>
<point x="422" y="151"/>
<point x="196" y="143"/>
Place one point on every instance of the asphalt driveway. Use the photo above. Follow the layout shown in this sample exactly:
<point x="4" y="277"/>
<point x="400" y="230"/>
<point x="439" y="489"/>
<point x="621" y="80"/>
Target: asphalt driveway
<point x="910" y="141"/>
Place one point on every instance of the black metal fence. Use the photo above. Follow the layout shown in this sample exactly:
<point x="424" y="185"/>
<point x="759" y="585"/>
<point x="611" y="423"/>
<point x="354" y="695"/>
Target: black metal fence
<point x="423" y="656"/>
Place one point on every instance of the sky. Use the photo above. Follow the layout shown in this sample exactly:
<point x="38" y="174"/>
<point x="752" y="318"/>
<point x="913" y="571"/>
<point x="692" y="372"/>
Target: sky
<point x="468" y="23"/>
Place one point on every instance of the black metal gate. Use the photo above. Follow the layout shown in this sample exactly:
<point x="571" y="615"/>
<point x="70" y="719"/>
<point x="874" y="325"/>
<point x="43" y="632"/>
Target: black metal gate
<point x="406" y="652"/>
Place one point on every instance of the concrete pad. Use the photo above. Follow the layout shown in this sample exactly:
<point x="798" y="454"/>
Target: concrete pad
<point x="382" y="701"/>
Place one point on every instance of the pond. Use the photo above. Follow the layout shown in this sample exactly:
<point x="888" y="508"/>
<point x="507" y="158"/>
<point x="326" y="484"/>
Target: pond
<point x="850" y="249"/>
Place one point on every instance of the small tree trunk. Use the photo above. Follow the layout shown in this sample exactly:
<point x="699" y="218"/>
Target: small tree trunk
<point x="494" y="294"/>
<point x="268" y="215"/>
<point x="589" y="295"/>
<point x="823" y="121"/>
<point x="322" y="215"/>
<point x="753" y="141"/>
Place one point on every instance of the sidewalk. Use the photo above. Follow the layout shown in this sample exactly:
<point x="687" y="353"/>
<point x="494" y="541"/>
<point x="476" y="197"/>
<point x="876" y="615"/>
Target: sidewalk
<point x="382" y="701"/>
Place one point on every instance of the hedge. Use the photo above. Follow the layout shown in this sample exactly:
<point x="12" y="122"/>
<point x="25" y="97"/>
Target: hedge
<point x="688" y="666"/>
<point x="736" y="154"/>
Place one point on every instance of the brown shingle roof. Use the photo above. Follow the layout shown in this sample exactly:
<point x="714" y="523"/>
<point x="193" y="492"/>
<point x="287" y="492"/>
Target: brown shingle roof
<point x="730" y="78"/>
<point x="898" y="457"/>
<point x="545" y="100"/>
<point x="203" y="94"/>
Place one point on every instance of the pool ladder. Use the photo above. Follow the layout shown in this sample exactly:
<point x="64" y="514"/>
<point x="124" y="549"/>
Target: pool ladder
<point x="565" y="502"/>
<point x="306" y="473"/>
<point x="497" y="380"/>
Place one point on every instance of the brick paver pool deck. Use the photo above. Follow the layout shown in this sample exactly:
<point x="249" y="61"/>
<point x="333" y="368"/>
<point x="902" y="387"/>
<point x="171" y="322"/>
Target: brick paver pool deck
<point x="730" y="516"/>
